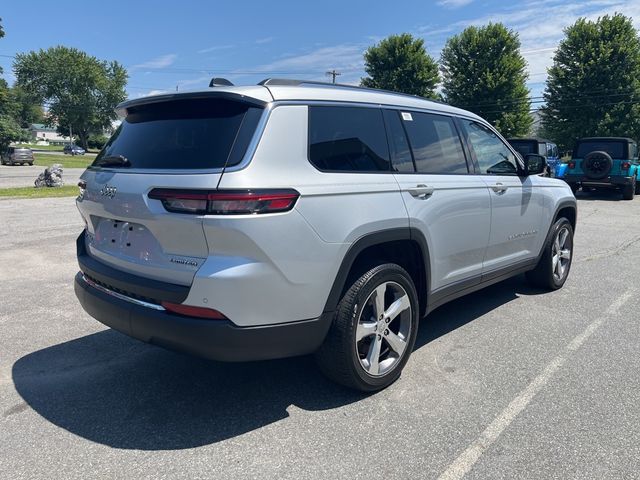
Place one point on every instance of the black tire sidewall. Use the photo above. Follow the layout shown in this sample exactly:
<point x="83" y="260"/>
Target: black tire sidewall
<point x="549" y="253"/>
<point x="384" y="273"/>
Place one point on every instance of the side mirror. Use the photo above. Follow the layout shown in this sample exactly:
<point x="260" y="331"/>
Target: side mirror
<point x="535" y="163"/>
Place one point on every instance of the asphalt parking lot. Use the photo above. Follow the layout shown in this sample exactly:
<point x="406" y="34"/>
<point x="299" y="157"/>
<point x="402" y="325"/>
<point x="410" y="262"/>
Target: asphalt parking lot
<point x="508" y="382"/>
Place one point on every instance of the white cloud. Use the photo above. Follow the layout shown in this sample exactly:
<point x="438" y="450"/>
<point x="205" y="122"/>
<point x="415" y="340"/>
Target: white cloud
<point x="260" y="41"/>
<point x="454" y="3"/>
<point x="345" y="58"/>
<point x="162" y="61"/>
<point x="215" y="48"/>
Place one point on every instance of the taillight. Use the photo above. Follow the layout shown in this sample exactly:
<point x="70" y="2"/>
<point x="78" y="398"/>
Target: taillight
<point x="225" y="202"/>
<point x="190" y="311"/>
<point x="572" y="165"/>
<point x="626" y="165"/>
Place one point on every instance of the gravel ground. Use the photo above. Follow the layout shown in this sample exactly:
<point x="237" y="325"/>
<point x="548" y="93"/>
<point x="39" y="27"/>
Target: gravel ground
<point x="508" y="382"/>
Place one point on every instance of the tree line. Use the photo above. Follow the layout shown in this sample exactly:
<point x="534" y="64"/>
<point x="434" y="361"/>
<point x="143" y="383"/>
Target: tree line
<point x="592" y="89"/>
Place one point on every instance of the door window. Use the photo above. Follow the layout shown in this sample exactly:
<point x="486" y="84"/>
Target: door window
<point x="493" y="156"/>
<point x="435" y="143"/>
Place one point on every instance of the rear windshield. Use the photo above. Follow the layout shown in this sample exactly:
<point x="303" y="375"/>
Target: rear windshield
<point x="616" y="149"/>
<point x="184" y="134"/>
<point x="525" y="147"/>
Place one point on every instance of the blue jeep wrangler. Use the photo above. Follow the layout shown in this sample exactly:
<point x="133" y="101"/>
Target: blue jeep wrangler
<point x="539" y="146"/>
<point x="610" y="162"/>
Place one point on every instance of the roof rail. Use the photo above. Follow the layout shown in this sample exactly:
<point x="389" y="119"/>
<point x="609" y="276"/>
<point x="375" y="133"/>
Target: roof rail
<point x="268" y="82"/>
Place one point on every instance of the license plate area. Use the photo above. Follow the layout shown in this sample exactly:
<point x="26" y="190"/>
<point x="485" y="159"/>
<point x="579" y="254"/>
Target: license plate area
<point x="126" y="240"/>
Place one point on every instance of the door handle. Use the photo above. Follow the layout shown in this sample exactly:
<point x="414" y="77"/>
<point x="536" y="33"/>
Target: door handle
<point x="499" y="188"/>
<point x="421" y="191"/>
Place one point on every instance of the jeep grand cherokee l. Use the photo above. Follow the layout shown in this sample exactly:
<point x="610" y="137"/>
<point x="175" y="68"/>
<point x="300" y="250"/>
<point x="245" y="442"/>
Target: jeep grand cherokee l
<point x="289" y="218"/>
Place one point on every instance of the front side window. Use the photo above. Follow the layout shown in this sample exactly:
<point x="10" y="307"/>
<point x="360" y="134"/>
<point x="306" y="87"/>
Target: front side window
<point x="348" y="139"/>
<point x="435" y="143"/>
<point x="493" y="156"/>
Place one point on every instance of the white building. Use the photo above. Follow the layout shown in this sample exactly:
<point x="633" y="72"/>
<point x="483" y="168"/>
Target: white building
<point x="44" y="135"/>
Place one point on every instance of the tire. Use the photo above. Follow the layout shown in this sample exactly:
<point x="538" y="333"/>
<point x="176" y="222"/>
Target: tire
<point x="629" y="191"/>
<point x="597" y="165"/>
<point x="574" y="187"/>
<point x="637" y="187"/>
<point x="550" y="273"/>
<point x="344" y="359"/>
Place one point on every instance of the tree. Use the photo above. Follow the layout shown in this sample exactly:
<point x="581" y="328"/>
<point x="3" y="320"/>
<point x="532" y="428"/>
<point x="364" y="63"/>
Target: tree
<point x="401" y="63"/>
<point x="9" y="128"/>
<point x="483" y="71"/>
<point x="80" y="91"/>
<point x="593" y="86"/>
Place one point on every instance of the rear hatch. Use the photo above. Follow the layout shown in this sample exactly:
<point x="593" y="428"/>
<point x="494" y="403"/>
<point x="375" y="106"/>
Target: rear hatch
<point x="616" y="149"/>
<point x="180" y="142"/>
<point x="22" y="155"/>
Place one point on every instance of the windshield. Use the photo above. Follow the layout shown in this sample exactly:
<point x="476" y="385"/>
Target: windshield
<point x="615" y="148"/>
<point x="183" y="134"/>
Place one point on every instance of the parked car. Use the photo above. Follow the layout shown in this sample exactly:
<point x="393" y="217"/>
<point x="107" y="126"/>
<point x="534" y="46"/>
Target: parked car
<point x="604" y="162"/>
<point x="17" y="156"/>
<point x="73" y="150"/>
<point x="288" y="218"/>
<point x="546" y="148"/>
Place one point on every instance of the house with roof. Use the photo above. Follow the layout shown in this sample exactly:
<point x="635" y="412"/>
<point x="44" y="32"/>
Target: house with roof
<point x="45" y="135"/>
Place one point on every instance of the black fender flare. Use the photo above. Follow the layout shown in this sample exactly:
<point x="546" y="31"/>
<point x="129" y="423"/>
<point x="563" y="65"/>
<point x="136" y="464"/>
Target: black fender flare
<point x="370" y="240"/>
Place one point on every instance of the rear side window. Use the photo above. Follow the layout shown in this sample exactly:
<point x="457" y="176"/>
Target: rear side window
<point x="434" y="142"/>
<point x="401" y="158"/>
<point x="347" y="139"/>
<point x="184" y="134"/>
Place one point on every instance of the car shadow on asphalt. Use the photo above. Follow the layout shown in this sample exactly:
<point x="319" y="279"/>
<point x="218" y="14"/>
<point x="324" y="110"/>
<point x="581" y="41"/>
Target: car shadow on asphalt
<point x="119" y="392"/>
<point x="602" y="194"/>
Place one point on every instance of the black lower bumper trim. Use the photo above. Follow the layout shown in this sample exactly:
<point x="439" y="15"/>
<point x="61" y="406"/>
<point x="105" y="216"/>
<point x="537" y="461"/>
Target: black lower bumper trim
<point x="213" y="339"/>
<point x="615" y="181"/>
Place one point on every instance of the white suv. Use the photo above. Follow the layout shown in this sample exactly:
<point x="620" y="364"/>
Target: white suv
<point x="246" y="223"/>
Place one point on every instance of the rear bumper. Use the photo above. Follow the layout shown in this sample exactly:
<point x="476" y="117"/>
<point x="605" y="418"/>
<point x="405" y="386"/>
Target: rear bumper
<point x="212" y="339"/>
<point x="614" y="181"/>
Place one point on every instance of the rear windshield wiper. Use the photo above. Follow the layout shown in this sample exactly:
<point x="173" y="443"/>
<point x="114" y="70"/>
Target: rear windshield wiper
<point x="113" y="161"/>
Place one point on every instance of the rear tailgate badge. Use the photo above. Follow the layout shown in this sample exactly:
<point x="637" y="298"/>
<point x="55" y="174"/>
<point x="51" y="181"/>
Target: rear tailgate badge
<point x="108" y="191"/>
<point x="184" y="261"/>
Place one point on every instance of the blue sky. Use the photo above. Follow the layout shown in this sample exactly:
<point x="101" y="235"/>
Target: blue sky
<point x="185" y="43"/>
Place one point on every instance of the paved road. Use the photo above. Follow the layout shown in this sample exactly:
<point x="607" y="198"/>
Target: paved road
<point x="506" y="383"/>
<point x="24" y="175"/>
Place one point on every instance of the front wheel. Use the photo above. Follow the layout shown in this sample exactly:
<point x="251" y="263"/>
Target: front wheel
<point x="554" y="265"/>
<point x="373" y="331"/>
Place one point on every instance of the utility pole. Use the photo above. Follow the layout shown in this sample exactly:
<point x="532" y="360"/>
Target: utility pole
<point x="333" y="74"/>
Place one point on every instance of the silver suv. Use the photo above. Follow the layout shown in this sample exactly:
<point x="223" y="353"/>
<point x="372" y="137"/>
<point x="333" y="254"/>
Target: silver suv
<point x="288" y="218"/>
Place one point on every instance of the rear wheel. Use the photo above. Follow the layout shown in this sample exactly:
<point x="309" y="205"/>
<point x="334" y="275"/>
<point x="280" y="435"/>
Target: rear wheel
<point x="554" y="265"/>
<point x="373" y="331"/>
<point x="637" y="187"/>
<point x="574" y="187"/>
<point x="629" y="191"/>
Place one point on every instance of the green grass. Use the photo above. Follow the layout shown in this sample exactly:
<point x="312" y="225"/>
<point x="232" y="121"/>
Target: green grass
<point x="44" y="192"/>
<point x="67" y="161"/>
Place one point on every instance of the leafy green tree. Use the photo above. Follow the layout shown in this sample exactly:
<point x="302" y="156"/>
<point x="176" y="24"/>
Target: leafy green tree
<point x="9" y="128"/>
<point x="79" y="90"/>
<point x="401" y="63"/>
<point x="593" y="87"/>
<point x="483" y="71"/>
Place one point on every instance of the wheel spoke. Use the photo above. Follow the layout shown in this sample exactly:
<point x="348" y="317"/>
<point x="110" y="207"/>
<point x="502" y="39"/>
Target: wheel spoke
<point x="555" y="259"/>
<point x="364" y="329"/>
<point x="556" y="244"/>
<point x="561" y="269"/>
<point x="380" y="290"/>
<point x="562" y="238"/>
<point x="396" y="342"/>
<point x="373" y="356"/>
<point x="397" y="307"/>
<point x="565" y="253"/>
